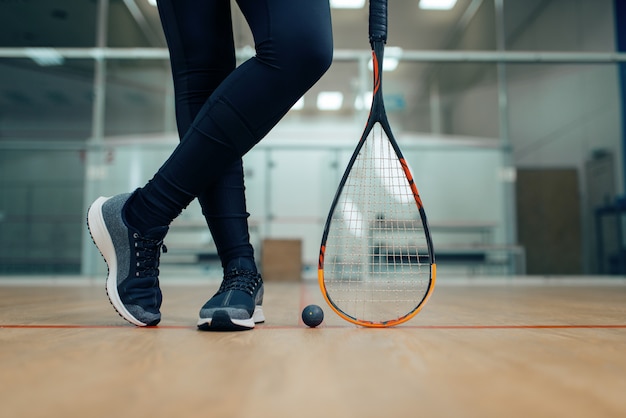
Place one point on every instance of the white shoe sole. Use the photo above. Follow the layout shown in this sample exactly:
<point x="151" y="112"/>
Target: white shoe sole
<point x="257" y="317"/>
<point x="102" y="239"/>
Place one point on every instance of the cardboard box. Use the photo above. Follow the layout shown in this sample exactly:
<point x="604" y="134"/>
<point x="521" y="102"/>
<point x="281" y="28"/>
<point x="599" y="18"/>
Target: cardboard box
<point x="281" y="260"/>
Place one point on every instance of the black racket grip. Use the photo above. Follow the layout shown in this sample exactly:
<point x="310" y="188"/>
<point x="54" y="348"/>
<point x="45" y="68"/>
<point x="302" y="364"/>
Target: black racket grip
<point x="378" y="20"/>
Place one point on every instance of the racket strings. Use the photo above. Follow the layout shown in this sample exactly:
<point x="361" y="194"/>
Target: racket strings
<point x="377" y="265"/>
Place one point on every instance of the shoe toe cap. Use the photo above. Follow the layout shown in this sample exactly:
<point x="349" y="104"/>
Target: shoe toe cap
<point x="148" y="318"/>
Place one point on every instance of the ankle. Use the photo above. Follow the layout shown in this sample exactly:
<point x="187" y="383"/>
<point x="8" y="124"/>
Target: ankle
<point x="137" y="217"/>
<point x="242" y="264"/>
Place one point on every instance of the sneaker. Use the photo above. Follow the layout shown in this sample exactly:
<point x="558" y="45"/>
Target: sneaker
<point x="132" y="259"/>
<point x="237" y="304"/>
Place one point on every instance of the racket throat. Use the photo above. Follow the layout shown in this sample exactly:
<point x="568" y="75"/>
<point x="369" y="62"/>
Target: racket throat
<point x="378" y="50"/>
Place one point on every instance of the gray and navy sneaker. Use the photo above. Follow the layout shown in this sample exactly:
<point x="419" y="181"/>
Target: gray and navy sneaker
<point x="132" y="258"/>
<point x="237" y="305"/>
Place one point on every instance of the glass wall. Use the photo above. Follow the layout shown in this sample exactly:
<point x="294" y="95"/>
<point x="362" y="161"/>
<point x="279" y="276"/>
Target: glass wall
<point x="484" y="98"/>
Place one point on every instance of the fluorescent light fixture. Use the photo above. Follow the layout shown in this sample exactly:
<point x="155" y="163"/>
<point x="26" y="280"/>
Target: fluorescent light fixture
<point x="347" y="4"/>
<point x="390" y="60"/>
<point x="437" y="4"/>
<point x="152" y="2"/>
<point x="299" y="104"/>
<point x="363" y="101"/>
<point x="329" y="100"/>
<point x="45" y="57"/>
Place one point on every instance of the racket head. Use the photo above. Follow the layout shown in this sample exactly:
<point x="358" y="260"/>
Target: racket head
<point x="376" y="265"/>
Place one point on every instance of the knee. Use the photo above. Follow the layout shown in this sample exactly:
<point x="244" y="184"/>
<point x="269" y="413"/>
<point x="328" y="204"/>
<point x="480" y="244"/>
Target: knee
<point x="302" y="54"/>
<point x="321" y="57"/>
<point x="312" y="55"/>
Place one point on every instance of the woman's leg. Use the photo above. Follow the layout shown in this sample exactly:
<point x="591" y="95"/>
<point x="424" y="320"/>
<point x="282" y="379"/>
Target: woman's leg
<point x="202" y="55"/>
<point x="291" y="56"/>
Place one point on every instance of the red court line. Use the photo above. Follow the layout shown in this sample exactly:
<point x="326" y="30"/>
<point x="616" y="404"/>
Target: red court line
<point x="555" y="326"/>
<point x="270" y="327"/>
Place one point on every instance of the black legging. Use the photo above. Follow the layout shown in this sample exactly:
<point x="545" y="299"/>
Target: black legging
<point x="223" y="111"/>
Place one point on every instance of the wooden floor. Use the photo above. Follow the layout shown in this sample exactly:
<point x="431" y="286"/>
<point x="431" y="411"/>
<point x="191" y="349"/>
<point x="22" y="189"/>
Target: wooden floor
<point x="517" y="348"/>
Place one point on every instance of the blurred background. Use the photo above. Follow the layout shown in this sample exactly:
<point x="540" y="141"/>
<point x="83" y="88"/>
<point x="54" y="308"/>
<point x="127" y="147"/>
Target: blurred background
<point x="510" y="114"/>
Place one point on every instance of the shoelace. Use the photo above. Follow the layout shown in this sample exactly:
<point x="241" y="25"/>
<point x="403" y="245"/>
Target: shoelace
<point x="147" y="254"/>
<point x="244" y="280"/>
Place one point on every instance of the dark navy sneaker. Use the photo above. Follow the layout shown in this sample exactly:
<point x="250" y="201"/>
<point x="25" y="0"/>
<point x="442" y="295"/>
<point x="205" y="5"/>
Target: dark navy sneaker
<point x="237" y="305"/>
<point x="132" y="258"/>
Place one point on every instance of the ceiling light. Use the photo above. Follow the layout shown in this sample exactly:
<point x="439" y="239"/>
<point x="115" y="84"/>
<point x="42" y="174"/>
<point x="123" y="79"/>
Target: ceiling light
<point x="437" y="4"/>
<point x="390" y="60"/>
<point x="347" y="4"/>
<point x="329" y="100"/>
<point x="152" y="2"/>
